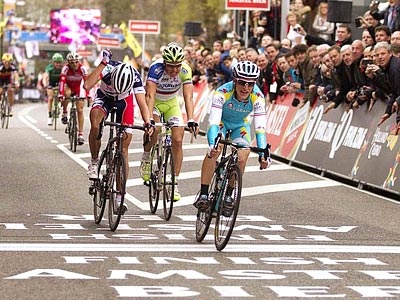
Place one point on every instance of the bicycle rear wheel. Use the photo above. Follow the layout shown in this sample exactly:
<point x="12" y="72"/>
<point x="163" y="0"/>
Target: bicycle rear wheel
<point x="204" y="217"/>
<point x="73" y="132"/>
<point x="169" y="183"/>
<point x="99" y="197"/>
<point x="117" y="183"/>
<point x="225" y="221"/>
<point x="154" y="184"/>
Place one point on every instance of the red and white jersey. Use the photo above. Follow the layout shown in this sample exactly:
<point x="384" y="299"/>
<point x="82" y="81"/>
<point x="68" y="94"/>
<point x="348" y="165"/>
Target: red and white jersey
<point x="74" y="79"/>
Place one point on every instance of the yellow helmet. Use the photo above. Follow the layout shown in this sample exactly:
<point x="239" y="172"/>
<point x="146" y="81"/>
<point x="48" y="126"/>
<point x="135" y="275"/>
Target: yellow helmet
<point x="7" y="57"/>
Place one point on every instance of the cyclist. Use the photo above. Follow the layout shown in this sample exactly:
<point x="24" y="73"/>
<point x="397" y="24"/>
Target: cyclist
<point x="166" y="77"/>
<point x="232" y="106"/>
<point x="120" y="85"/>
<point x="8" y="76"/>
<point x="72" y="77"/>
<point x="51" y="78"/>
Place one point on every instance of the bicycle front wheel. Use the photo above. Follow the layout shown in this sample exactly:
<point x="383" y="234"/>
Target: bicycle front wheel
<point x="204" y="217"/>
<point x="226" y="216"/>
<point x="117" y="182"/>
<point x="169" y="183"/>
<point x="3" y="112"/>
<point x="73" y="132"/>
<point x="154" y="184"/>
<point x="99" y="197"/>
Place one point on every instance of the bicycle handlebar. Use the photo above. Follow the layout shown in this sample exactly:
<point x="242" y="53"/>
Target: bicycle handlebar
<point x="120" y="125"/>
<point x="219" y="140"/>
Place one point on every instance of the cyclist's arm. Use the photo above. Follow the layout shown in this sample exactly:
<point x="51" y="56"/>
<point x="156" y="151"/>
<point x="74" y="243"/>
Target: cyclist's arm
<point x="16" y="78"/>
<point x="151" y="88"/>
<point x="93" y="77"/>
<point x="63" y="79"/>
<point x="141" y="101"/>
<point x="260" y="121"/>
<point x="45" y="79"/>
<point x="215" y="117"/>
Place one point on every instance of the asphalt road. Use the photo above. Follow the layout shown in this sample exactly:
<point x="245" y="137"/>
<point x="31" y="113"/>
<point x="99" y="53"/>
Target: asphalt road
<point x="298" y="235"/>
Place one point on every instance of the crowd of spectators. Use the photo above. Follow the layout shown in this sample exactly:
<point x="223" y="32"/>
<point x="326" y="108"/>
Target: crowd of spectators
<point x="313" y="61"/>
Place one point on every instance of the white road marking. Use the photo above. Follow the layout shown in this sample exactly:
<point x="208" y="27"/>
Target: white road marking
<point x="209" y="247"/>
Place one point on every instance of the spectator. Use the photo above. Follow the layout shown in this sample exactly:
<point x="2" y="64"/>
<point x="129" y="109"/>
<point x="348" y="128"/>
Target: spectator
<point x="367" y="38"/>
<point x="343" y="34"/>
<point x="320" y="26"/>
<point x="390" y="16"/>
<point x="293" y="34"/>
<point x="286" y="44"/>
<point x="395" y="38"/>
<point x="386" y="69"/>
<point x="382" y="34"/>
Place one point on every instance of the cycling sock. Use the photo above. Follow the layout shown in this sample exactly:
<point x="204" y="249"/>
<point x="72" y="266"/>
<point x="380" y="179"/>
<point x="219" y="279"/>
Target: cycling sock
<point x="50" y="115"/>
<point x="94" y="161"/>
<point x="204" y="189"/>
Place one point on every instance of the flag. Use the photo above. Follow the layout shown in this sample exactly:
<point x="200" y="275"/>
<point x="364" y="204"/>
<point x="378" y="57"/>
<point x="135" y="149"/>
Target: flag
<point x="130" y="40"/>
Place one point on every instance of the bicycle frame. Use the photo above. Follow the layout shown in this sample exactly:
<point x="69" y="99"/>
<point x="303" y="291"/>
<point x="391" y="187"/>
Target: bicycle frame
<point x="112" y="172"/>
<point x="226" y="182"/>
<point x="162" y="170"/>
<point x="72" y="127"/>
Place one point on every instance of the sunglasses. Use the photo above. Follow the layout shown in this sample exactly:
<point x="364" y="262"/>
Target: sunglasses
<point x="177" y="66"/>
<point x="74" y="61"/>
<point x="244" y="83"/>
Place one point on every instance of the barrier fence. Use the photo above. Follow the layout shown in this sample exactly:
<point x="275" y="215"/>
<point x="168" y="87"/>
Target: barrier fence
<point x="344" y="142"/>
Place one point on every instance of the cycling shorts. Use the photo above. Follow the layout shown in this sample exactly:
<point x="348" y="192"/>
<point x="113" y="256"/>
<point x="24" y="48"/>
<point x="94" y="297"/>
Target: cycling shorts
<point x="125" y="108"/>
<point x="171" y="110"/>
<point x="240" y="134"/>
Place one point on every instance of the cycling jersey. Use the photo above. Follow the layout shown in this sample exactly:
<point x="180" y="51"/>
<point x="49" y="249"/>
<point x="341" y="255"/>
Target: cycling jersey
<point x="6" y="74"/>
<point x="74" y="79"/>
<point x="167" y="86"/>
<point x="166" y="100"/>
<point x="227" y="113"/>
<point x="106" y="97"/>
<point x="54" y="75"/>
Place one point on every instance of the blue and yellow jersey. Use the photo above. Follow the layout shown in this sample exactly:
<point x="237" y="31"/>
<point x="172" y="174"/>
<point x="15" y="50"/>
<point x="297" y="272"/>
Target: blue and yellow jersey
<point x="167" y="86"/>
<point x="228" y="113"/>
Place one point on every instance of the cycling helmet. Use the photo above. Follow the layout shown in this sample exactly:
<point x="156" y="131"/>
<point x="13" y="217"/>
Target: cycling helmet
<point x="57" y="57"/>
<point x="123" y="78"/>
<point x="7" y="57"/>
<point x="246" y="70"/>
<point x="73" y="56"/>
<point x="173" y="53"/>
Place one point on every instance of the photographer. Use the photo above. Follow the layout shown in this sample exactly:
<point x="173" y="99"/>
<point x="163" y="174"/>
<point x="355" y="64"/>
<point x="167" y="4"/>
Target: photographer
<point x="390" y="16"/>
<point x="385" y="70"/>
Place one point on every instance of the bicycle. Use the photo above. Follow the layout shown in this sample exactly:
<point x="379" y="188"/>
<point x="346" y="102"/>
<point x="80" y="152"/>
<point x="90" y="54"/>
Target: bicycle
<point x="72" y="126"/>
<point x="5" y="108"/>
<point x="226" y="181"/>
<point x="162" y="176"/>
<point x="111" y="174"/>
<point x="55" y="111"/>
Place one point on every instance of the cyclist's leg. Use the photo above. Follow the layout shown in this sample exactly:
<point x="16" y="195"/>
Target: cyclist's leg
<point x="79" y="109"/>
<point x="145" y="166"/>
<point x="98" y="111"/>
<point x="50" y="95"/>
<point x="174" y="114"/>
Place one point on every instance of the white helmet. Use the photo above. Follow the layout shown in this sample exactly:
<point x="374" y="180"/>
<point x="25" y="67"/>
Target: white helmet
<point x="246" y="70"/>
<point x="123" y="78"/>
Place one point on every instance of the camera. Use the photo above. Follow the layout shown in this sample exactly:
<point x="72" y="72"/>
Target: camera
<point x="358" y="22"/>
<point x="297" y="29"/>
